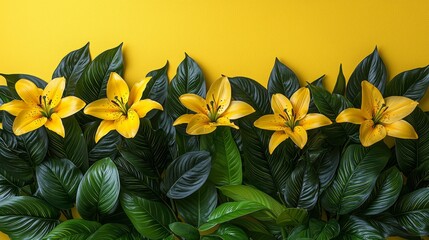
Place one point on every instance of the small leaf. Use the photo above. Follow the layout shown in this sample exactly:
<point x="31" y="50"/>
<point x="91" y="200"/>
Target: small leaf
<point x="292" y="217"/>
<point x="282" y="80"/>
<point x="411" y="84"/>
<point x="186" y="174"/>
<point x="184" y="231"/>
<point x="340" y="85"/>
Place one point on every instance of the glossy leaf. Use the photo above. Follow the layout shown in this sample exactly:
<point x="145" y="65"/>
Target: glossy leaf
<point x="250" y="91"/>
<point x="7" y="188"/>
<point x="385" y="193"/>
<point x="186" y="174"/>
<point x="326" y="167"/>
<point x="5" y="94"/>
<point x="340" y="84"/>
<point x="316" y="229"/>
<point x="157" y="87"/>
<point x="255" y="228"/>
<point x="228" y="232"/>
<point x="11" y="79"/>
<point x="282" y="80"/>
<point x="150" y="218"/>
<point x="357" y="228"/>
<point x="196" y="208"/>
<point x="189" y="79"/>
<point x="163" y="121"/>
<point x="98" y="191"/>
<point x="34" y="145"/>
<point x="184" y="231"/>
<point x="106" y="147"/>
<point x="110" y="231"/>
<point x="419" y="177"/>
<point x="18" y="213"/>
<point x="71" y="68"/>
<point x="292" y="217"/>
<point x="58" y="180"/>
<point x="411" y="84"/>
<point x="412" y="211"/>
<point x="356" y="177"/>
<point x="78" y="229"/>
<point x="144" y="167"/>
<point x="372" y="69"/>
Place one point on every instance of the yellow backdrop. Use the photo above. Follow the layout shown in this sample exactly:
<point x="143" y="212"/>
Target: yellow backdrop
<point x="228" y="37"/>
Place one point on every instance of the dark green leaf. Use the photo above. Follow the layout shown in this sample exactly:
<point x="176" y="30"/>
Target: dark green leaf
<point x="356" y="228"/>
<point x="98" y="191"/>
<point x="77" y="229"/>
<point x="385" y="193"/>
<point x="163" y="121"/>
<point x="110" y="231"/>
<point x="34" y="145"/>
<point x="318" y="82"/>
<point x="189" y="79"/>
<point x="5" y="94"/>
<point x="253" y="227"/>
<point x="71" y="68"/>
<point x="150" y="218"/>
<point x="371" y="69"/>
<point x="411" y="84"/>
<point x="7" y="188"/>
<point x="58" y="181"/>
<point x="316" y="229"/>
<point x="186" y="174"/>
<point x="356" y="177"/>
<point x="282" y="80"/>
<point x="419" y="177"/>
<point x="292" y="217"/>
<point x="340" y="85"/>
<point x="326" y="167"/>
<point x="196" y="208"/>
<point x="412" y="211"/>
<point x="18" y="213"/>
<point x="249" y="91"/>
<point x="106" y="147"/>
<point x="11" y="79"/>
<point x="229" y="232"/>
<point x="139" y="164"/>
<point x="157" y="87"/>
<point x="184" y="231"/>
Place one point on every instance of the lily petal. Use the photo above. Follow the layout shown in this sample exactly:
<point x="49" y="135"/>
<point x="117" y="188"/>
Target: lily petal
<point x="370" y="134"/>
<point x="54" y="91"/>
<point x="397" y="108"/>
<point x="55" y="124"/>
<point x="223" y="121"/>
<point x="128" y="125"/>
<point x="280" y="104"/>
<point x="220" y="94"/>
<point x="137" y="91"/>
<point x="185" y="118"/>
<point x="14" y="107"/>
<point x="69" y="106"/>
<point x="351" y="115"/>
<point x="194" y="103"/>
<point x="200" y="124"/>
<point x="300" y="101"/>
<point x="314" y="120"/>
<point x="238" y="109"/>
<point x="28" y="91"/>
<point x="275" y="140"/>
<point x="298" y="136"/>
<point x="117" y="88"/>
<point x="401" y="129"/>
<point x="104" y="128"/>
<point x="372" y="100"/>
<point x="104" y="109"/>
<point x="144" y="106"/>
<point x="270" y="122"/>
<point x="28" y="120"/>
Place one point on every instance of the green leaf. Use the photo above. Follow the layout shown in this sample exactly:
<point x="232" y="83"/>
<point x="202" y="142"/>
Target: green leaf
<point x="77" y="229"/>
<point x="196" y="208"/>
<point x="157" y="87"/>
<point x="189" y="79"/>
<point x="229" y="232"/>
<point x="226" y="168"/>
<point x="186" y="174"/>
<point x="151" y="219"/>
<point x="292" y="217"/>
<point x="246" y="193"/>
<point x="106" y="147"/>
<point x="11" y="79"/>
<point x="371" y="69"/>
<point x="419" y="177"/>
<point x="411" y="84"/>
<point x="110" y="231"/>
<point x="73" y="146"/>
<point x="139" y="164"/>
<point x="316" y="229"/>
<point x="254" y="228"/>
<point x="71" y="68"/>
<point x="250" y="91"/>
<point x="232" y="210"/>
<point x="163" y="121"/>
<point x="5" y="94"/>
<point x="7" y="188"/>
<point x="385" y="193"/>
<point x="93" y="81"/>
<point x="326" y="167"/>
<point x="412" y="211"/>
<point x="34" y="145"/>
<point x="18" y="213"/>
<point x="356" y="228"/>
<point x="184" y="231"/>
<point x="340" y="84"/>
<point x="282" y="80"/>
<point x="58" y="180"/>
<point x="98" y="191"/>
<point x="411" y="154"/>
<point x="356" y="177"/>
<point x="301" y="190"/>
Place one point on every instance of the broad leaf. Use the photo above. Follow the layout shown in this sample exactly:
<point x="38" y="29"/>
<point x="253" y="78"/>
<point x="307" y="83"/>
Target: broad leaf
<point x="98" y="191"/>
<point x="356" y="228"/>
<point x="250" y="91"/>
<point x="371" y="69"/>
<point x="356" y="177"/>
<point x="34" y="145"/>
<point x="111" y="231"/>
<point x="11" y="79"/>
<point x="77" y="229"/>
<point x="151" y="219"/>
<point x="282" y="80"/>
<point x="18" y="213"/>
<point x="139" y="164"/>
<point x="106" y="147"/>
<point x="255" y="228"/>
<point x="412" y="211"/>
<point x="58" y="180"/>
<point x="5" y="94"/>
<point x="419" y="177"/>
<point x="185" y="231"/>
<point x="7" y="188"/>
<point x="186" y="174"/>
<point x="227" y="232"/>
<point x="71" y="68"/>
<point x="163" y="121"/>
<point x="340" y="84"/>
<point x="411" y="84"/>
<point x="157" y="87"/>
<point x="326" y="167"/>
<point x="292" y="217"/>
<point x="316" y="229"/>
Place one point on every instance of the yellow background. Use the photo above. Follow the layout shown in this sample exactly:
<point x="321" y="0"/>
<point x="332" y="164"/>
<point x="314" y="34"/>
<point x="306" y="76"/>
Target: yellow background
<point x="228" y="37"/>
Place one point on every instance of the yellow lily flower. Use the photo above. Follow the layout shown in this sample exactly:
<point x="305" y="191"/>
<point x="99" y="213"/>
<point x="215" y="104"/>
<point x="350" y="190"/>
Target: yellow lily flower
<point x="41" y="107"/>
<point x="216" y="110"/>
<point x="291" y="119"/>
<point x="379" y="117"/>
<point x="122" y="109"/>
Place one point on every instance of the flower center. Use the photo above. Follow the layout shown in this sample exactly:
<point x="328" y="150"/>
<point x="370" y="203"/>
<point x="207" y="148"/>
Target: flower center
<point x="376" y="118"/>
<point x="289" y="119"/>
<point x="213" y="108"/>
<point x="47" y="110"/>
<point x="121" y="104"/>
